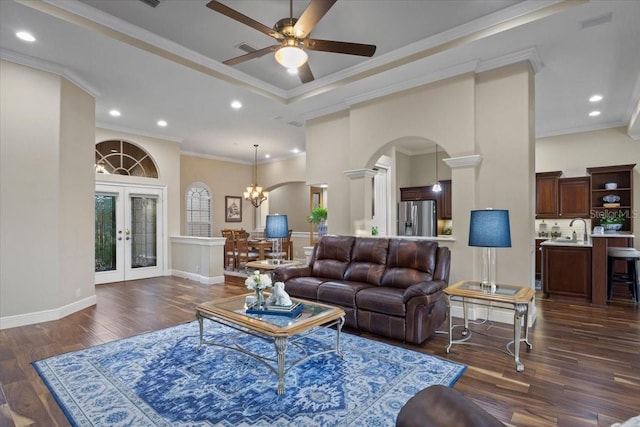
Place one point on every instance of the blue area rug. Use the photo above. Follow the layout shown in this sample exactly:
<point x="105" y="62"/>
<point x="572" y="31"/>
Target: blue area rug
<point x="159" y="379"/>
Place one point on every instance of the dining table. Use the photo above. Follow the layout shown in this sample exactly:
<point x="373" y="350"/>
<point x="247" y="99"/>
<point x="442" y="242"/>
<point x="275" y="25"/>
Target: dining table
<point x="261" y="246"/>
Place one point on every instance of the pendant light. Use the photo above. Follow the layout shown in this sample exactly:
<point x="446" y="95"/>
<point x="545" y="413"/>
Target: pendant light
<point x="436" y="187"/>
<point x="254" y="193"/>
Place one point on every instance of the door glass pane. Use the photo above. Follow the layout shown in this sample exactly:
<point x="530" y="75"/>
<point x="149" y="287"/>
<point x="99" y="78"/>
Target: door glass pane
<point x="143" y="232"/>
<point x="105" y="233"/>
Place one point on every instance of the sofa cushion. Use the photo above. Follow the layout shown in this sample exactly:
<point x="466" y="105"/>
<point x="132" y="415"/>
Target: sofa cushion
<point x="332" y="256"/>
<point x="368" y="260"/>
<point x="385" y="300"/>
<point x="409" y="262"/>
<point x="303" y="287"/>
<point x="342" y="293"/>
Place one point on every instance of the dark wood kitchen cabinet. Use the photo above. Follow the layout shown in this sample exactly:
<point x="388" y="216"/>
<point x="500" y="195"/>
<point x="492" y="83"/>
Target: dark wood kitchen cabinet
<point x="574" y="197"/>
<point x="562" y="197"/>
<point x="566" y="271"/>
<point x="547" y="194"/>
<point x="539" y="259"/>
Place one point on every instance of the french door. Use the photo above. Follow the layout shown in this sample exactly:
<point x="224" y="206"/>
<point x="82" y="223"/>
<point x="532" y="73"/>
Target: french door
<point x="128" y="233"/>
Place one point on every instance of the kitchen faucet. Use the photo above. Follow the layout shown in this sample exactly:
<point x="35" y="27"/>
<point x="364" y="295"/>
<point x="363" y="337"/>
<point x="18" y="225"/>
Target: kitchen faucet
<point x="585" y="236"/>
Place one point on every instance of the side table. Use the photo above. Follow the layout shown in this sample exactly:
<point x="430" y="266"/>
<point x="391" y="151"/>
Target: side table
<point x="516" y="298"/>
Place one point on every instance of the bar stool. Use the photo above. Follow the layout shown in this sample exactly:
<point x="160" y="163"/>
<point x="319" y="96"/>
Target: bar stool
<point x="631" y="257"/>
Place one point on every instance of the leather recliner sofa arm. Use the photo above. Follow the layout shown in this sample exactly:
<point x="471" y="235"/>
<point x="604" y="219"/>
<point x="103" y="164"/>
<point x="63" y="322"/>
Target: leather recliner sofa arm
<point x="282" y="274"/>
<point x="423" y="289"/>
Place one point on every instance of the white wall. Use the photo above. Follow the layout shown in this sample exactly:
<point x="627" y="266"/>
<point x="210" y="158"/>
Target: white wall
<point x="46" y="196"/>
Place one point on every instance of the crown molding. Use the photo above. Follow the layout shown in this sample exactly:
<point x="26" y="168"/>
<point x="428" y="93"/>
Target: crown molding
<point x="592" y="128"/>
<point x="50" y="67"/>
<point x="360" y="173"/>
<point x="114" y="128"/>
<point x="531" y="55"/>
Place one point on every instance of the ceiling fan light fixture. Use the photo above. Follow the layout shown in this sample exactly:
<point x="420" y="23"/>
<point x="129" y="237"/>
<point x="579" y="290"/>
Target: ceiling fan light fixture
<point x="291" y="56"/>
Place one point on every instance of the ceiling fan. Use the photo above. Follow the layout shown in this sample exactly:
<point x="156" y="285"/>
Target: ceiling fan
<point x="293" y="35"/>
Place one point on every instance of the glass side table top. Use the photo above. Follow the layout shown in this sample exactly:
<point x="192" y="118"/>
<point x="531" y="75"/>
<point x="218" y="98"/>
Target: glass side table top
<point x="474" y="289"/>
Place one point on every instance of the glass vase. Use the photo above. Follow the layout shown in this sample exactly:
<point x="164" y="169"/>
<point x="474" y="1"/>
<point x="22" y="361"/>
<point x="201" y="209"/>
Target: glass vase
<point x="259" y="299"/>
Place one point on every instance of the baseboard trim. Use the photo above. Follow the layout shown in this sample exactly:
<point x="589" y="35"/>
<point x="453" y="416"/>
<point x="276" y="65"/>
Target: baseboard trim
<point x="7" y="322"/>
<point x="215" y="280"/>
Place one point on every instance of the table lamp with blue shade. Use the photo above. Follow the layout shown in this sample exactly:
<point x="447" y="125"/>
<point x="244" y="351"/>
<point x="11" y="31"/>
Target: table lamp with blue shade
<point x="277" y="227"/>
<point x="489" y="229"/>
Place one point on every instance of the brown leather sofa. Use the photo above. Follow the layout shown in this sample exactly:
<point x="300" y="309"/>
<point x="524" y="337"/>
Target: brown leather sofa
<point x="440" y="406"/>
<point x="390" y="287"/>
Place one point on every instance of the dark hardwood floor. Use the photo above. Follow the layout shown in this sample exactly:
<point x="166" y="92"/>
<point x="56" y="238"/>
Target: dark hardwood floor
<point x="583" y="370"/>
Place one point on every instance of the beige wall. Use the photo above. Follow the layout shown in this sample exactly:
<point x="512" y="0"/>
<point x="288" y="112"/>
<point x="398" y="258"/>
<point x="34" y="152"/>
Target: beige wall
<point x="573" y="153"/>
<point x="491" y="117"/>
<point x="291" y="200"/>
<point x="46" y="196"/>
<point x="224" y="179"/>
<point x="423" y="169"/>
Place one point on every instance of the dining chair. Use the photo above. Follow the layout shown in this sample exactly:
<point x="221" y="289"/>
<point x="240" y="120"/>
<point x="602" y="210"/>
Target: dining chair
<point x="229" y="249"/>
<point x="243" y="252"/>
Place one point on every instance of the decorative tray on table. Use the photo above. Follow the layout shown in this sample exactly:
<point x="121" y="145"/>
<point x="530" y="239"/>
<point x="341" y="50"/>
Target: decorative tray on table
<point x="292" y="310"/>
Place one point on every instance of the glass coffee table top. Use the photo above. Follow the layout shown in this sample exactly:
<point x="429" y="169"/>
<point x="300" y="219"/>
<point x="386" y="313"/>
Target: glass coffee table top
<point x="234" y="309"/>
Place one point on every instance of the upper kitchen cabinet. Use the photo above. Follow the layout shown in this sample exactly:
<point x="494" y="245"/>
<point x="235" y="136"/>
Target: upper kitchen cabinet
<point x="547" y="194"/>
<point x="562" y="197"/>
<point x="574" y="197"/>
<point x="616" y="184"/>
<point x="445" y="199"/>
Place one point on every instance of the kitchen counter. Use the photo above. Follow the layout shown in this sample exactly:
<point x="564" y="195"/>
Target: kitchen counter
<point x="566" y="242"/>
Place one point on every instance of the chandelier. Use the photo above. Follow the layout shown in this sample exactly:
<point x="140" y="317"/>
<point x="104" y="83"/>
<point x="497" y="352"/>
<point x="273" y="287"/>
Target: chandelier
<point x="254" y="193"/>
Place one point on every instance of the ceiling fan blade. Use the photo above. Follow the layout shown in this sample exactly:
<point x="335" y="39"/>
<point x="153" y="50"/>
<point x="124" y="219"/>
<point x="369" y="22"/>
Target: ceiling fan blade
<point x="234" y="14"/>
<point x="255" y="54"/>
<point x="340" y="47"/>
<point x="305" y="74"/>
<point x="310" y="17"/>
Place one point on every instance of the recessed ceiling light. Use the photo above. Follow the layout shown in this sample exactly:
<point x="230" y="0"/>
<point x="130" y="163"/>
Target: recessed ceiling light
<point x="595" y="98"/>
<point x="295" y="150"/>
<point x="26" y="36"/>
<point x="114" y="113"/>
<point x="236" y="105"/>
<point x="162" y="123"/>
<point x="267" y="156"/>
<point x="594" y="113"/>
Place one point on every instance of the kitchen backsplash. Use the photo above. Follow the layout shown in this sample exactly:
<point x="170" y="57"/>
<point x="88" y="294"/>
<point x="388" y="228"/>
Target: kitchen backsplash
<point x="565" y="230"/>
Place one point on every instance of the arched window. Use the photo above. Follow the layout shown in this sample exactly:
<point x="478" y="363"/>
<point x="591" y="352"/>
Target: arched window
<point x="198" y="210"/>
<point x="119" y="157"/>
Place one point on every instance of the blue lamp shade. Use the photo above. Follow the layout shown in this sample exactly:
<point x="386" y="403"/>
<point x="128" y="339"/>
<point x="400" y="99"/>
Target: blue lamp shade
<point x="277" y="226"/>
<point x="489" y="228"/>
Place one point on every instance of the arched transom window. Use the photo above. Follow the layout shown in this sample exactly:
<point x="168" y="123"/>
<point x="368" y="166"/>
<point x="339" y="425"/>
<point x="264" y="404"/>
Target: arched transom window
<point x="198" y="210"/>
<point x="123" y="158"/>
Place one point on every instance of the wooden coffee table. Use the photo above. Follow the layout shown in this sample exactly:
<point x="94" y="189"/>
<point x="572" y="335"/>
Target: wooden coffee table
<point x="278" y="330"/>
<point x="516" y="298"/>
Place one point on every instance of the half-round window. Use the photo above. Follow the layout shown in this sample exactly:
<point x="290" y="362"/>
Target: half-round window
<point x="119" y="157"/>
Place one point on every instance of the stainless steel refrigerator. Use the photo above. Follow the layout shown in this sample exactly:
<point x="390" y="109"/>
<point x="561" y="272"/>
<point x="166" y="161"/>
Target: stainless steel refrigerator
<point x="417" y="218"/>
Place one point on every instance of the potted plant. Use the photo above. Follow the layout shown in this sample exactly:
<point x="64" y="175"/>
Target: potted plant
<point x="613" y="221"/>
<point x="319" y="218"/>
